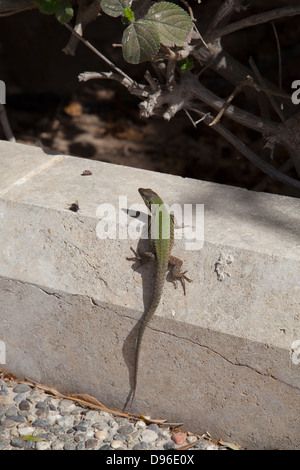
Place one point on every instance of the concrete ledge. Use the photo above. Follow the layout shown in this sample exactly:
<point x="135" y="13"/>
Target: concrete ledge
<point x="223" y="359"/>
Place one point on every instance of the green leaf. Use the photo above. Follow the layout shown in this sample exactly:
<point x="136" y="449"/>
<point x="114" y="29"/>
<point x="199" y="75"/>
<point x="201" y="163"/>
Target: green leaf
<point x="115" y="7"/>
<point x="140" y="42"/>
<point x="30" y="437"/>
<point x="64" y="12"/>
<point x="128" y="13"/>
<point x="49" y="7"/>
<point x="171" y="21"/>
<point x="186" y="64"/>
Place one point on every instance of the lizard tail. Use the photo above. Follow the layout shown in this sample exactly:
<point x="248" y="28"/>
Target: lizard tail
<point x="158" y="288"/>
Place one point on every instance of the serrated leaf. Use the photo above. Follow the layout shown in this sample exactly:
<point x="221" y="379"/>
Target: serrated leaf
<point x="171" y="22"/>
<point x="115" y="7"/>
<point x="64" y="13"/>
<point x="140" y="42"/>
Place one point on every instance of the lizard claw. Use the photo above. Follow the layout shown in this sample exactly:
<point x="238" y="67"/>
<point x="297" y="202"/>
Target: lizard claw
<point x="142" y="258"/>
<point x="136" y="256"/>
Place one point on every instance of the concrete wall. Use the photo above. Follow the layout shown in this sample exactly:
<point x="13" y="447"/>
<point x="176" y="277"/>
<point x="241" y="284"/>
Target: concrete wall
<point x="224" y="358"/>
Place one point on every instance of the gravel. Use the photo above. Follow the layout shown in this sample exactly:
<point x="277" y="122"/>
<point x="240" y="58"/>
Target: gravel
<point x="31" y="419"/>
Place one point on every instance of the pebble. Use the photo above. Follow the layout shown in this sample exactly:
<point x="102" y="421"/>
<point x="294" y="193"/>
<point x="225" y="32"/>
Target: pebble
<point x="61" y="424"/>
<point x="148" y="435"/>
<point x="179" y="438"/>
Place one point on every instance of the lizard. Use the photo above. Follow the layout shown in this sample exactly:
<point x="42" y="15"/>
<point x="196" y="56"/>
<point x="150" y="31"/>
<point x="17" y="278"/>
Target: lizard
<point x="162" y="241"/>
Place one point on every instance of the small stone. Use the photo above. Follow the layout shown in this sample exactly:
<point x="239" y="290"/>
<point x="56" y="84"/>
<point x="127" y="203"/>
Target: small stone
<point x="92" y="415"/>
<point x="28" y="430"/>
<point x="105" y="447"/>
<point x="191" y="439"/>
<point x="5" y="445"/>
<point x="41" y="405"/>
<point x="69" y="446"/>
<point x="42" y="413"/>
<point x="17" y="442"/>
<point x="40" y="423"/>
<point x="29" y="445"/>
<point x="126" y="429"/>
<point x="140" y="425"/>
<point x="169" y="445"/>
<point x="11" y="411"/>
<point x="19" y="397"/>
<point x="66" y="406"/>
<point x="102" y="434"/>
<point x="80" y="446"/>
<point x="90" y="443"/>
<point x="116" y="444"/>
<point x="140" y="446"/>
<point x="79" y="437"/>
<point x="3" y="388"/>
<point x="46" y="436"/>
<point x="83" y="426"/>
<point x="42" y="445"/>
<point x="179" y="438"/>
<point x="90" y="434"/>
<point x="149" y="436"/>
<point x="24" y="405"/>
<point x="212" y="446"/>
<point x="2" y="411"/>
<point x="8" y="423"/>
<point x="57" y="445"/>
<point x="16" y="418"/>
<point x="21" y="388"/>
<point x="53" y="418"/>
<point x="202" y="445"/>
<point x="14" y="432"/>
<point x="5" y="399"/>
<point x="65" y="422"/>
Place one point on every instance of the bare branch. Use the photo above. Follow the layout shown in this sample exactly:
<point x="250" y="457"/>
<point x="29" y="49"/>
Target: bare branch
<point x="132" y="86"/>
<point x="223" y="15"/>
<point x="89" y="45"/>
<point x="251" y="156"/>
<point x="287" y="134"/>
<point x="268" y="93"/>
<point x="12" y="7"/>
<point x="253" y="20"/>
<point x="279" y="55"/>
<point x="245" y="118"/>
<point x="87" y="12"/>
<point x="233" y="71"/>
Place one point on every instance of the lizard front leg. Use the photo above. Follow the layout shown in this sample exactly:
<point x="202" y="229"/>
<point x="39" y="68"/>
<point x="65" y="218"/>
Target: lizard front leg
<point x="142" y="257"/>
<point x="175" y="265"/>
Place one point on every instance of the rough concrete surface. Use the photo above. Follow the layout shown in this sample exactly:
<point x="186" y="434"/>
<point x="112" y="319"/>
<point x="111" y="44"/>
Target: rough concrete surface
<point x="223" y="359"/>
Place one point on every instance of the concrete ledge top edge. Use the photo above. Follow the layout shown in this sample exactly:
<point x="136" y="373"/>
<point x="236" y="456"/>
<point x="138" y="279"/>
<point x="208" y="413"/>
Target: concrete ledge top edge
<point x="232" y="216"/>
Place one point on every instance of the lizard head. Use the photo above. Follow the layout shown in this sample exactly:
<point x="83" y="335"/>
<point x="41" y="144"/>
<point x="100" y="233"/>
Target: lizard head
<point x="150" y="197"/>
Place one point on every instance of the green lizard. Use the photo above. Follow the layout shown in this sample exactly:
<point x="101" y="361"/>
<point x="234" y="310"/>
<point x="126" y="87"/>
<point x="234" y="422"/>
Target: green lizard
<point x="162" y="240"/>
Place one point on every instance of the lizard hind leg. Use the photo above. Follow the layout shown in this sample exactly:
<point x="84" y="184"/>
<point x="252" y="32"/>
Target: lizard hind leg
<point x="175" y="265"/>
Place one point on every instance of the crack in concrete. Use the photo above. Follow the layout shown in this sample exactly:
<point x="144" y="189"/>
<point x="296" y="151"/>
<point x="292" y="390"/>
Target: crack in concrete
<point x="238" y="364"/>
<point x="294" y="387"/>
